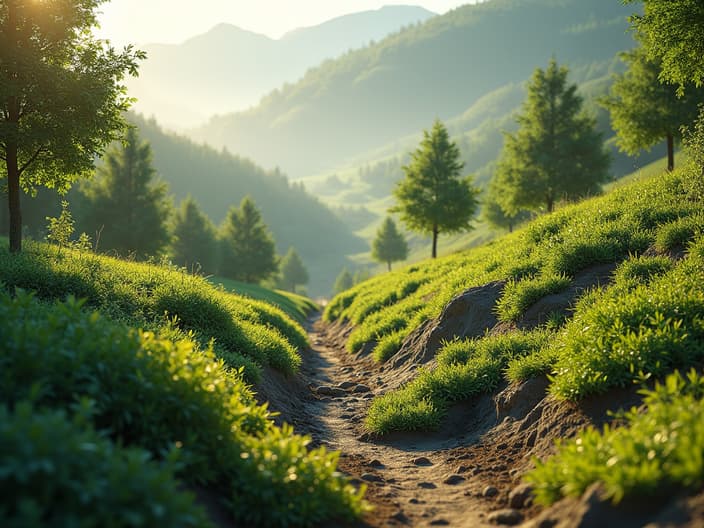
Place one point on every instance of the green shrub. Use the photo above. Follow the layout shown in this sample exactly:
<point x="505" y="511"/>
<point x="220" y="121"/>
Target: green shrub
<point x="679" y="233"/>
<point x="641" y="270"/>
<point x="56" y="472"/>
<point x="656" y="452"/>
<point x="141" y="294"/>
<point x="154" y="393"/>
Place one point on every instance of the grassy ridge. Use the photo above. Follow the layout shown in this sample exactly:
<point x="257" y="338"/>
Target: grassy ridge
<point x="247" y="332"/>
<point x="649" y="319"/>
<point x="164" y="394"/>
<point x="295" y="306"/>
<point x="175" y="394"/>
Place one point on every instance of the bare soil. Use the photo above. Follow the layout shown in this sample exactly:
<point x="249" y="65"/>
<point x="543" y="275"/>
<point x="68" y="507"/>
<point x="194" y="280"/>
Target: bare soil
<point x="467" y="474"/>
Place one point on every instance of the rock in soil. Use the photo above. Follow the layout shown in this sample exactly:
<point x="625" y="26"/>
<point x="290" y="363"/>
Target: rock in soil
<point x="326" y="390"/>
<point x="509" y="517"/>
<point x="346" y="385"/>
<point x="361" y="388"/>
<point x="422" y="461"/>
<point x="521" y="496"/>
<point x="454" y="479"/>
<point x="490" y="491"/>
<point x="371" y="477"/>
<point x="427" y="485"/>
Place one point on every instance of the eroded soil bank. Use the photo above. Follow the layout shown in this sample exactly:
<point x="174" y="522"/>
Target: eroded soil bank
<point x="466" y="474"/>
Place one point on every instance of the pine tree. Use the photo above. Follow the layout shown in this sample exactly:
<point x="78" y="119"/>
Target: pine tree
<point x="493" y="211"/>
<point x="293" y="272"/>
<point x="343" y="281"/>
<point x="124" y="204"/>
<point x="432" y="198"/>
<point x="193" y="240"/>
<point x="556" y="153"/>
<point x="644" y="111"/>
<point x="389" y="245"/>
<point x="248" y="250"/>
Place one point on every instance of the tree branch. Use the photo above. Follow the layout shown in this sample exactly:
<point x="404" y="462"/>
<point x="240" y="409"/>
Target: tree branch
<point x="31" y="160"/>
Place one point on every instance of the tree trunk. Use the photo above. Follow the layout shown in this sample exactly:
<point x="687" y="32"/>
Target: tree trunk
<point x="389" y="264"/>
<point x="550" y="203"/>
<point x="13" y="193"/>
<point x="670" y="153"/>
<point x="13" y="170"/>
<point x="435" y="241"/>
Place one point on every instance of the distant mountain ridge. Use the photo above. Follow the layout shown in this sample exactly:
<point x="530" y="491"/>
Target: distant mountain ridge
<point x="229" y="68"/>
<point x="370" y="97"/>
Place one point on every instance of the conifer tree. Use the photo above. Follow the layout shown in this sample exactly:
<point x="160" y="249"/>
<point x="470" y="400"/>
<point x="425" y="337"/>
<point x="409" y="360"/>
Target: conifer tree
<point x="293" y="272"/>
<point x="248" y="250"/>
<point x="125" y="204"/>
<point x="645" y="111"/>
<point x="193" y="238"/>
<point x="493" y="211"/>
<point x="556" y="153"/>
<point x="343" y="282"/>
<point x="389" y="245"/>
<point x="433" y="198"/>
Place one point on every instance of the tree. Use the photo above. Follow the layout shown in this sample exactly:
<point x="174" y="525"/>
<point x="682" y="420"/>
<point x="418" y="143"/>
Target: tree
<point x="248" y="251"/>
<point x="672" y="32"/>
<point x="343" y="281"/>
<point x="293" y="272"/>
<point x="556" y="152"/>
<point x="389" y="245"/>
<point x="432" y="198"/>
<point x="193" y="238"/>
<point x="644" y="110"/>
<point x="61" y="96"/>
<point x="124" y="203"/>
<point x="493" y="211"/>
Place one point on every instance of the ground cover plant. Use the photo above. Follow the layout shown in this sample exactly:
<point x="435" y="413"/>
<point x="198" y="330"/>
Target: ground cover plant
<point x="247" y="332"/>
<point x="648" y="319"/>
<point x="656" y="453"/>
<point x="171" y="398"/>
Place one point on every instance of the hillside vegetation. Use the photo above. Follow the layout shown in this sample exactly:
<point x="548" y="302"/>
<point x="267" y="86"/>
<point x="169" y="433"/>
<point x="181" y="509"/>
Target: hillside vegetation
<point x="160" y="370"/>
<point x="437" y="69"/>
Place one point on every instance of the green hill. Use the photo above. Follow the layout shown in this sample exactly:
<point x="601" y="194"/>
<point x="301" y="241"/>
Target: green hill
<point x="113" y="416"/>
<point x="373" y="96"/>
<point x="217" y="180"/>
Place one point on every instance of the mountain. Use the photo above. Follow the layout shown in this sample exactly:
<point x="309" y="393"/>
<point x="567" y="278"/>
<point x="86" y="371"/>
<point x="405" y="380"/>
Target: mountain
<point x="217" y="180"/>
<point x="370" y="97"/>
<point x="228" y="68"/>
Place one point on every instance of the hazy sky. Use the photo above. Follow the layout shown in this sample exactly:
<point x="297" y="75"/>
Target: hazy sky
<point x="172" y="21"/>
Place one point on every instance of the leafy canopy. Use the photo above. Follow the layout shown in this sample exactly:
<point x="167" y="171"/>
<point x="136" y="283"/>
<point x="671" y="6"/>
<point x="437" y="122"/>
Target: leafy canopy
<point x="643" y="110"/>
<point x="62" y="95"/>
<point x="389" y="245"/>
<point x="433" y="198"/>
<point x="673" y="33"/>
<point x="124" y="204"/>
<point x="248" y="251"/>
<point x="556" y="153"/>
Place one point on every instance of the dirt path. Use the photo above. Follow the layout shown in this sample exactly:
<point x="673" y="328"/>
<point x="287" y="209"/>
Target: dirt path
<point x="456" y="477"/>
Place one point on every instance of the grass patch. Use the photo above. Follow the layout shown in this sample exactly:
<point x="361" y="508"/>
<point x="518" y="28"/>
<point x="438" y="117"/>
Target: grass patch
<point x="247" y="332"/>
<point x="520" y="295"/>
<point x="658" y="452"/>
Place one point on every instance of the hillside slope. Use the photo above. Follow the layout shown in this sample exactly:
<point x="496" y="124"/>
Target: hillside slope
<point x="397" y="87"/>
<point x="218" y="180"/>
<point x="229" y="69"/>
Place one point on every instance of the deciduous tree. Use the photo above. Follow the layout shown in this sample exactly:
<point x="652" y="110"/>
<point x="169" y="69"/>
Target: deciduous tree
<point x="61" y="96"/>
<point x="672" y="32"/>
<point x="433" y="198"/>
<point x="389" y="245"/>
<point x="645" y="111"/>
<point x="248" y="251"/>
<point x="556" y="153"/>
<point x="344" y="281"/>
